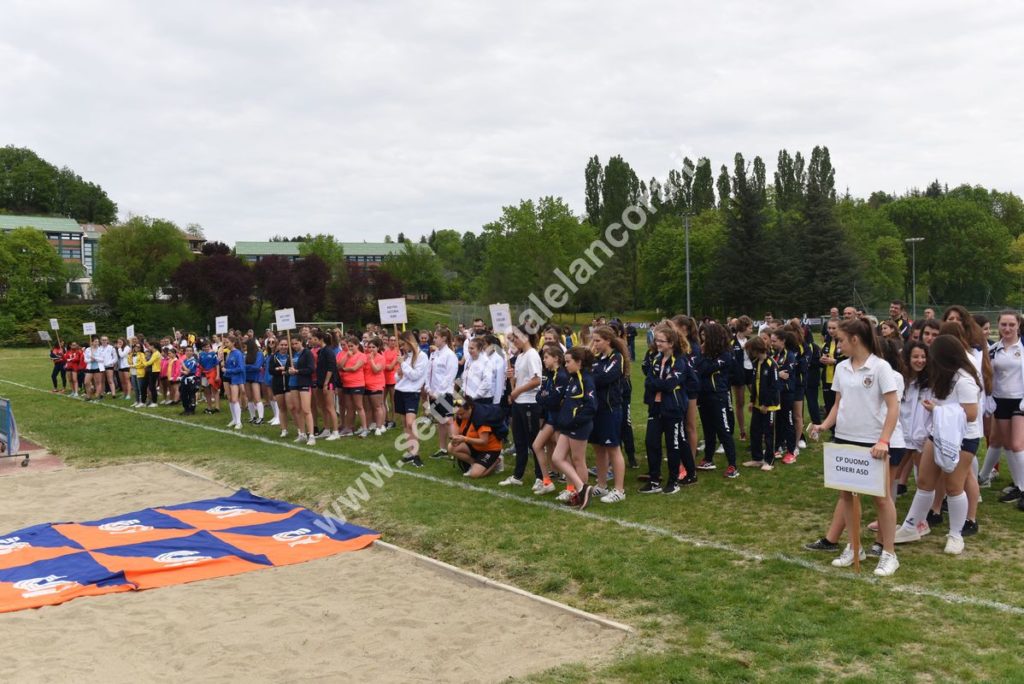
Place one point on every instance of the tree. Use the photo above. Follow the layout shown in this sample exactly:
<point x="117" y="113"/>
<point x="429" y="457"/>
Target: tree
<point x="724" y="189"/>
<point x="31" y="185"/>
<point x="743" y="274"/>
<point x="311" y="276"/>
<point x="211" y="248"/>
<point x="272" y="276"/>
<point x="31" y="273"/>
<point x="593" y="184"/>
<point x="217" y="285"/>
<point x="142" y="253"/>
<point x="703" y="187"/>
<point x="619" y="191"/>
<point x="790" y="178"/>
<point x="418" y="269"/>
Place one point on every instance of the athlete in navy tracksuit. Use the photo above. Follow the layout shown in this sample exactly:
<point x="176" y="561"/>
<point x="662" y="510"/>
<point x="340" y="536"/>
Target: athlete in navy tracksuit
<point x="713" y="400"/>
<point x="786" y="361"/>
<point x="666" y="375"/>
<point x="764" y="404"/>
<point x="813" y="384"/>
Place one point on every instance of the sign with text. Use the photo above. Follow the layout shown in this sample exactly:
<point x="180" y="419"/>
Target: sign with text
<point x="54" y="325"/>
<point x="221" y="325"/>
<point x="45" y="336"/>
<point x="89" y="328"/>
<point x="285" y="319"/>
<point x="8" y="429"/>
<point x="852" y="469"/>
<point x="501" y="318"/>
<point x="129" y="331"/>
<point x="392" y="311"/>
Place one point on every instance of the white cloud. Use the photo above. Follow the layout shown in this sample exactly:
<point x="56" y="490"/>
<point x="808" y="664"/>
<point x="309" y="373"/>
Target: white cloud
<point x="359" y="118"/>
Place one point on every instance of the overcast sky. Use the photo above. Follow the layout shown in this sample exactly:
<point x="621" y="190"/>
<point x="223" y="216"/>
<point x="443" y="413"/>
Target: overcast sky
<point x="362" y="119"/>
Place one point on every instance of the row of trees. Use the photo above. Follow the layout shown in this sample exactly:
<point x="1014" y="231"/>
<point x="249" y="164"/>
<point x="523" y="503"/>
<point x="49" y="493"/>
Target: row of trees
<point x="32" y="186"/>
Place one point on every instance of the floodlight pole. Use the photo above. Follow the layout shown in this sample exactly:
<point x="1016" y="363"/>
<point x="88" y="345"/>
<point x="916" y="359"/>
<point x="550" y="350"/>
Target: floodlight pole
<point x="913" y="260"/>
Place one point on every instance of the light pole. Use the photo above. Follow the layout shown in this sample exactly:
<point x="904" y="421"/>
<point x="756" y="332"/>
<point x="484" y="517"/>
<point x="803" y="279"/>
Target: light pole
<point x="913" y="269"/>
<point x="686" y="227"/>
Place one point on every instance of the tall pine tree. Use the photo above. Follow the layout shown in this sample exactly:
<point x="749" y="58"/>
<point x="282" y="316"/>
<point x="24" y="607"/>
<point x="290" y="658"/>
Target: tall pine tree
<point x="703" y="193"/>
<point x="743" y="275"/>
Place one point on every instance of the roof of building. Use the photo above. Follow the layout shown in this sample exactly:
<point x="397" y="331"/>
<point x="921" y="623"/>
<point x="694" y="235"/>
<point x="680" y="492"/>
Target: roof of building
<point x="292" y="248"/>
<point x="48" y="224"/>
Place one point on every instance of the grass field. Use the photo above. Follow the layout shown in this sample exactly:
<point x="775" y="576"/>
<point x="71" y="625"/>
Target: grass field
<point x="714" y="579"/>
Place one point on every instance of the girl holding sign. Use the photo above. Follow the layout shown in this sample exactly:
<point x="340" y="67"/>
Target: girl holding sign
<point x="953" y="380"/>
<point x="866" y="413"/>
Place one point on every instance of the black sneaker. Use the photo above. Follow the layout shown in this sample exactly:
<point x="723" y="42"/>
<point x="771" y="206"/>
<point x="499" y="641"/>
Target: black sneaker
<point x="439" y="454"/>
<point x="407" y="459"/>
<point x="258" y="421"/>
<point x="1020" y="504"/>
<point x="875" y="550"/>
<point x="584" y="496"/>
<point x="206" y="410"/>
<point x="633" y="464"/>
<point x="706" y="465"/>
<point x="652" y="487"/>
<point x="901" y="489"/>
<point x="934" y="519"/>
<point x="970" y="528"/>
<point x="688" y="480"/>
<point x="1012" y="495"/>
<point x="670" y="488"/>
<point x="945" y="505"/>
<point x="416" y="462"/>
<point x="822" y="544"/>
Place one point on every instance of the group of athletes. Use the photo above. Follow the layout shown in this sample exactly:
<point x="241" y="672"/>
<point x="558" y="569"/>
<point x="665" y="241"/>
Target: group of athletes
<point x="906" y="391"/>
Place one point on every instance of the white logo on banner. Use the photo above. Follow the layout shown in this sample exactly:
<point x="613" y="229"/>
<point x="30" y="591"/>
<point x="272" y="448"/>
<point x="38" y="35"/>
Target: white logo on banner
<point x="174" y="559"/>
<point x="299" y="536"/>
<point x="42" y="586"/>
<point x="229" y="511"/>
<point x="124" y="527"/>
<point x="12" y="544"/>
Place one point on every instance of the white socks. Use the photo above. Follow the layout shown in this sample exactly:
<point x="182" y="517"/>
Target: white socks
<point x="991" y="458"/>
<point x="259" y="410"/>
<point x="957" y="513"/>
<point x="252" y="410"/>
<point x="1015" y="459"/>
<point x="276" y="409"/>
<point x="919" y="508"/>
<point x="236" y="412"/>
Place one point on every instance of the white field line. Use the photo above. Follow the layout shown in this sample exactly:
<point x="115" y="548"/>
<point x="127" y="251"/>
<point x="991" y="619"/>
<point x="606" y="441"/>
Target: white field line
<point x="746" y="554"/>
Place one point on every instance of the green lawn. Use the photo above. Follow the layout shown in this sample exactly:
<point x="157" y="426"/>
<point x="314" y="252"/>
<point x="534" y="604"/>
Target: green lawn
<point x="714" y="578"/>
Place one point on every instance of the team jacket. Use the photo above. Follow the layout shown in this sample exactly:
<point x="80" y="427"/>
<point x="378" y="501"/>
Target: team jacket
<point x="327" y="362"/>
<point x="305" y="366"/>
<point x="738" y="356"/>
<point x="767" y="385"/>
<point x="670" y="381"/>
<point x="234" y="367"/>
<point x="579" y="402"/>
<point x="552" y="390"/>
<point x="828" y="373"/>
<point x="714" y="374"/>
<point x="693" y="382"/>
<point x="278" y="379"/>
<point x="785" y="360"/>
<point x="813" y="352"/>
<point x="253" y="370"/>
<point x="607" y="372"/>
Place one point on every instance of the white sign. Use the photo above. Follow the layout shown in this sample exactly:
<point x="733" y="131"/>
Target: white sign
<point x="89" y="328"/>
<point x="221" y="325"/>
<point x="392" y="311"/>
<point x="45" y="336"/>
<point x="53" y="324"/>
<point x="501" y="318"/>
<point x="129" y="332"/>
<point x="852" y="469"/>
<point x="285" y="319"/>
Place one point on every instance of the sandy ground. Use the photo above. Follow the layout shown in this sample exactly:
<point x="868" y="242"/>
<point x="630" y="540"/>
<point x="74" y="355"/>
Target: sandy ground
<point x="371" y="615"/>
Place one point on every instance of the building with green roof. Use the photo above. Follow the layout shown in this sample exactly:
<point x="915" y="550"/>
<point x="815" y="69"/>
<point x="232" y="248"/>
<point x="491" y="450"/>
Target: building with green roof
<point x="365" y="254"/>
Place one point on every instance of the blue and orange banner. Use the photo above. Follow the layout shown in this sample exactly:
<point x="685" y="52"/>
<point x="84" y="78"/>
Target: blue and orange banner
<point x="157" y="547"/>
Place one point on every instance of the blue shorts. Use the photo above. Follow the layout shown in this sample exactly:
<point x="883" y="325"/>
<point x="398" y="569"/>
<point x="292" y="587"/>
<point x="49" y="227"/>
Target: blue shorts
<point x="607" y="428"/>
<point x="407" y="402"/>
<point x="581" y="432"/>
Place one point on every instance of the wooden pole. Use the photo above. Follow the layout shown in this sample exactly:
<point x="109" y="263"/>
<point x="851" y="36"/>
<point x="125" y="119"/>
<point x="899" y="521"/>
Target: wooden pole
<point x="855" y="531"/>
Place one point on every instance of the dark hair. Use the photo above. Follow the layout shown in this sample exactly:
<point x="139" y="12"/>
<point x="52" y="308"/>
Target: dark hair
<point x="946" y="357"/>
<point x="789" y="340"/>
<point x="716" y="340"/>
<point x="688" y="325"/>
<point x="743" y="323"/>
<point x="755" y="345"/>
<point x="607" y="334"/>
<point x="908" y="373"/>
<point x="891" y="353"/>
<point x="1011" y="312"/>
<point x="955" y="329"/>
<point x="530" y="337"/>
<point x="555" y="351"/>
<point x="930" y="323"/>
<point x="863" y="331"/>
<point x="250" y="351"/>
<point x="980" y="319"/>
<point x="897" y="302"/>
<point x="581" y="355"/>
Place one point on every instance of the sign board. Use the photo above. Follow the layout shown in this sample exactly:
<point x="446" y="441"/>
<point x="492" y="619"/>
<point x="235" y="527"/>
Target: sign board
<point x="501" y="318"/>
<point x="852" y="469"/>
<point x="221" y="325"/>
<point x="53" y="324"/>
<point x="89" y="328"/>
<point x="285" y="319"/>
<point x="129" y="332"/>
<point x="8" y="429"/>
<point x="392" y="311"/>
<point x="45" y="336"/>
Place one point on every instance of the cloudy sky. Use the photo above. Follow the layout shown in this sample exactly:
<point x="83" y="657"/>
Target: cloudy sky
<point x="363" y="119"/>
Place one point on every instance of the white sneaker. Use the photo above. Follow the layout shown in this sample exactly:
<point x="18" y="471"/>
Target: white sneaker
<point x="537" y="484"/>
<point x="803" y="445"/>
<point x="324" y="433"/>
<point x="300" y="438"/>
<point x="544" y="488"/>
<point x="767" y="467"/>
<point x="887" y="564"/>
<point x="845" y="559"/>
<point x="238" y="426"/>
<point x="614" y="496"/>
<point x="151" y="406"/>
<point x="904" y="536"/>
<point x="364" y="433"/>
<point x="954" y="545"/>
<point x="599" y="492"/>
<point x="311" y="441"/>
<point x="378" y="432"/>
<point x="509" y="481"/>
<point x="564" y="496"/>
<point x="274" y="421"/>
<point x="719" y="450"/>
<point x="136" y="405"/>
<point x="284" y="433"/>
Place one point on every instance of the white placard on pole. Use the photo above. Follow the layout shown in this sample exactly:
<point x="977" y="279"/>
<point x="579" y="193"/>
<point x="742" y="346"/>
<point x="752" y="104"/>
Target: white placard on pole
<point x="392" y="311"/>
<point x="54" y="325"/>
<point x="285" y="319"/>
<point x="129" y="332"/>
<point x="501" y="318"/>
<point x="852" y="469"/>
<point x="45" y="336"/>
<point x="221" y="323"/>
<point x="89" y="328"/>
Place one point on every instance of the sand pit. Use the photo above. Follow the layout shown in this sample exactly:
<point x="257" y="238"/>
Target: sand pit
<point x="373" y="615"/>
